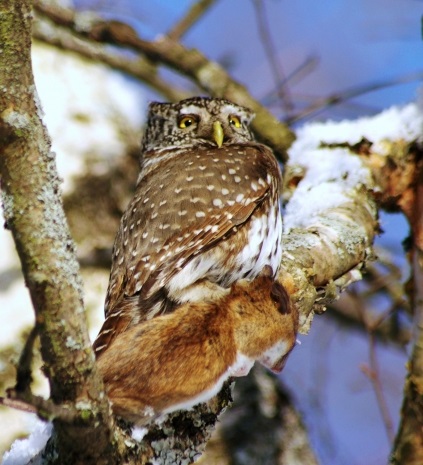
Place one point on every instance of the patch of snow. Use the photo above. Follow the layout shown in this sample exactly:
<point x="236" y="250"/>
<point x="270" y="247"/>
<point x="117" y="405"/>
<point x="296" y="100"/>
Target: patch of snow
<point x="23" y="450"/>
<point x="86" y="105"/>
<point x="138" y="433"/>
<point x="395" y="123"/>
<point x="330" y="175"/>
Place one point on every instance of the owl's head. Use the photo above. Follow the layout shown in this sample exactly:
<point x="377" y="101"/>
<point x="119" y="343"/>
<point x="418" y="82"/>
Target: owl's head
<point x="194" y="122"/>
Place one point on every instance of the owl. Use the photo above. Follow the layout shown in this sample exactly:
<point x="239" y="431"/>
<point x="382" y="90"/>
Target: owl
<point x="205" y="214"/>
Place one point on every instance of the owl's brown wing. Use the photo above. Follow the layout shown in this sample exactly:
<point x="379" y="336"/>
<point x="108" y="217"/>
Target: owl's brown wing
<point x="198" y="240"/>
<point x="192" y="202"/>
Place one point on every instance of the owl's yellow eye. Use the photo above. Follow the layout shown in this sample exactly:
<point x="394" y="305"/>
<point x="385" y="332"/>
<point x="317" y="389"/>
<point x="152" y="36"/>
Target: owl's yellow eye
<point x="186" y="121"/>
<point x="234" y="121"/>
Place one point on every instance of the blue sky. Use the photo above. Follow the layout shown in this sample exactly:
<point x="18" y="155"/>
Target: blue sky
<point x="354" y="43"/>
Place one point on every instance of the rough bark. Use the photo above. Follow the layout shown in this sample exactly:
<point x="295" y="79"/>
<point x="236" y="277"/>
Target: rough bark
<point x="34" y="214"/>
<point x="262" y="427"/>
<point x="408" y="445"/>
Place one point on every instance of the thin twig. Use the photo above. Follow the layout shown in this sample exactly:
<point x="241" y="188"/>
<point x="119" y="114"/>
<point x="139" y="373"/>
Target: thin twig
<point x="345" y="310"/>
<point x="296" y="75"/>
<point x="373" y="373"/>
<point x="194" y="14"/>
<point x="44" y="408"/>
<point x="23" y="374"/>
<point x="281" y="90"/>
<point x="323" y="103"/>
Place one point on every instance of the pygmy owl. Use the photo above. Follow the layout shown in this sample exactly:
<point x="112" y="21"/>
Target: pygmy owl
<point x="204" y="215"/>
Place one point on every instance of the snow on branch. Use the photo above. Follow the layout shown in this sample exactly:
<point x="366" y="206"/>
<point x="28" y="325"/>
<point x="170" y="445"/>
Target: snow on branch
<point x="331" y="181"/>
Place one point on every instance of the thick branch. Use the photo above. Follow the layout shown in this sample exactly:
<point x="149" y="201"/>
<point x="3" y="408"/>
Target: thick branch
<point x="33" y="212"/>
<point x="331" y="185"/>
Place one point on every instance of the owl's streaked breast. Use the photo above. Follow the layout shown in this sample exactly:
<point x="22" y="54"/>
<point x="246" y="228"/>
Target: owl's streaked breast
<point x="243" y="256"/>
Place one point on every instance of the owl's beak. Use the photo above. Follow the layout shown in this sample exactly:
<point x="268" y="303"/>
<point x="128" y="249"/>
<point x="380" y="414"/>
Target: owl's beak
<point x="218" y="133"/>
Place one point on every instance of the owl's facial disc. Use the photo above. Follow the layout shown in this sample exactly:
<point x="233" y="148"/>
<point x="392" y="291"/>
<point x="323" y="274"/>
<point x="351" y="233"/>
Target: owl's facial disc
<point x="196" y="122"/>
<point x="217" y="129"/>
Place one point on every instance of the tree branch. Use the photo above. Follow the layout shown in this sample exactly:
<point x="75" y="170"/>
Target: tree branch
<point x="330" y="187"/>
<point x="34" y="214"/>
<point x="208" y="75"/>
<point x="140" y="68"/>
<point x="408" y="446"/>
<point x="197" y="10"/>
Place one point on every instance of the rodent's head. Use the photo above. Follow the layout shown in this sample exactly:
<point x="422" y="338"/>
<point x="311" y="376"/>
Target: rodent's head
<point x="265" y="329"/>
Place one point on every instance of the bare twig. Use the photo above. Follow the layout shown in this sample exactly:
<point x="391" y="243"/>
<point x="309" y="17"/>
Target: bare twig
<point x="296" y="75"/>
<point x="23" y="375"/>
<point x="140" y="68"/>
<point x="323" y="103"/>
<point x="348" y="308"/>
<point x="197" y="10"/>
<point x="44" y="408"/>
<point x="357" y="307"/>
<point x="281" y="88"/>
<point x="373" y="373"/>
